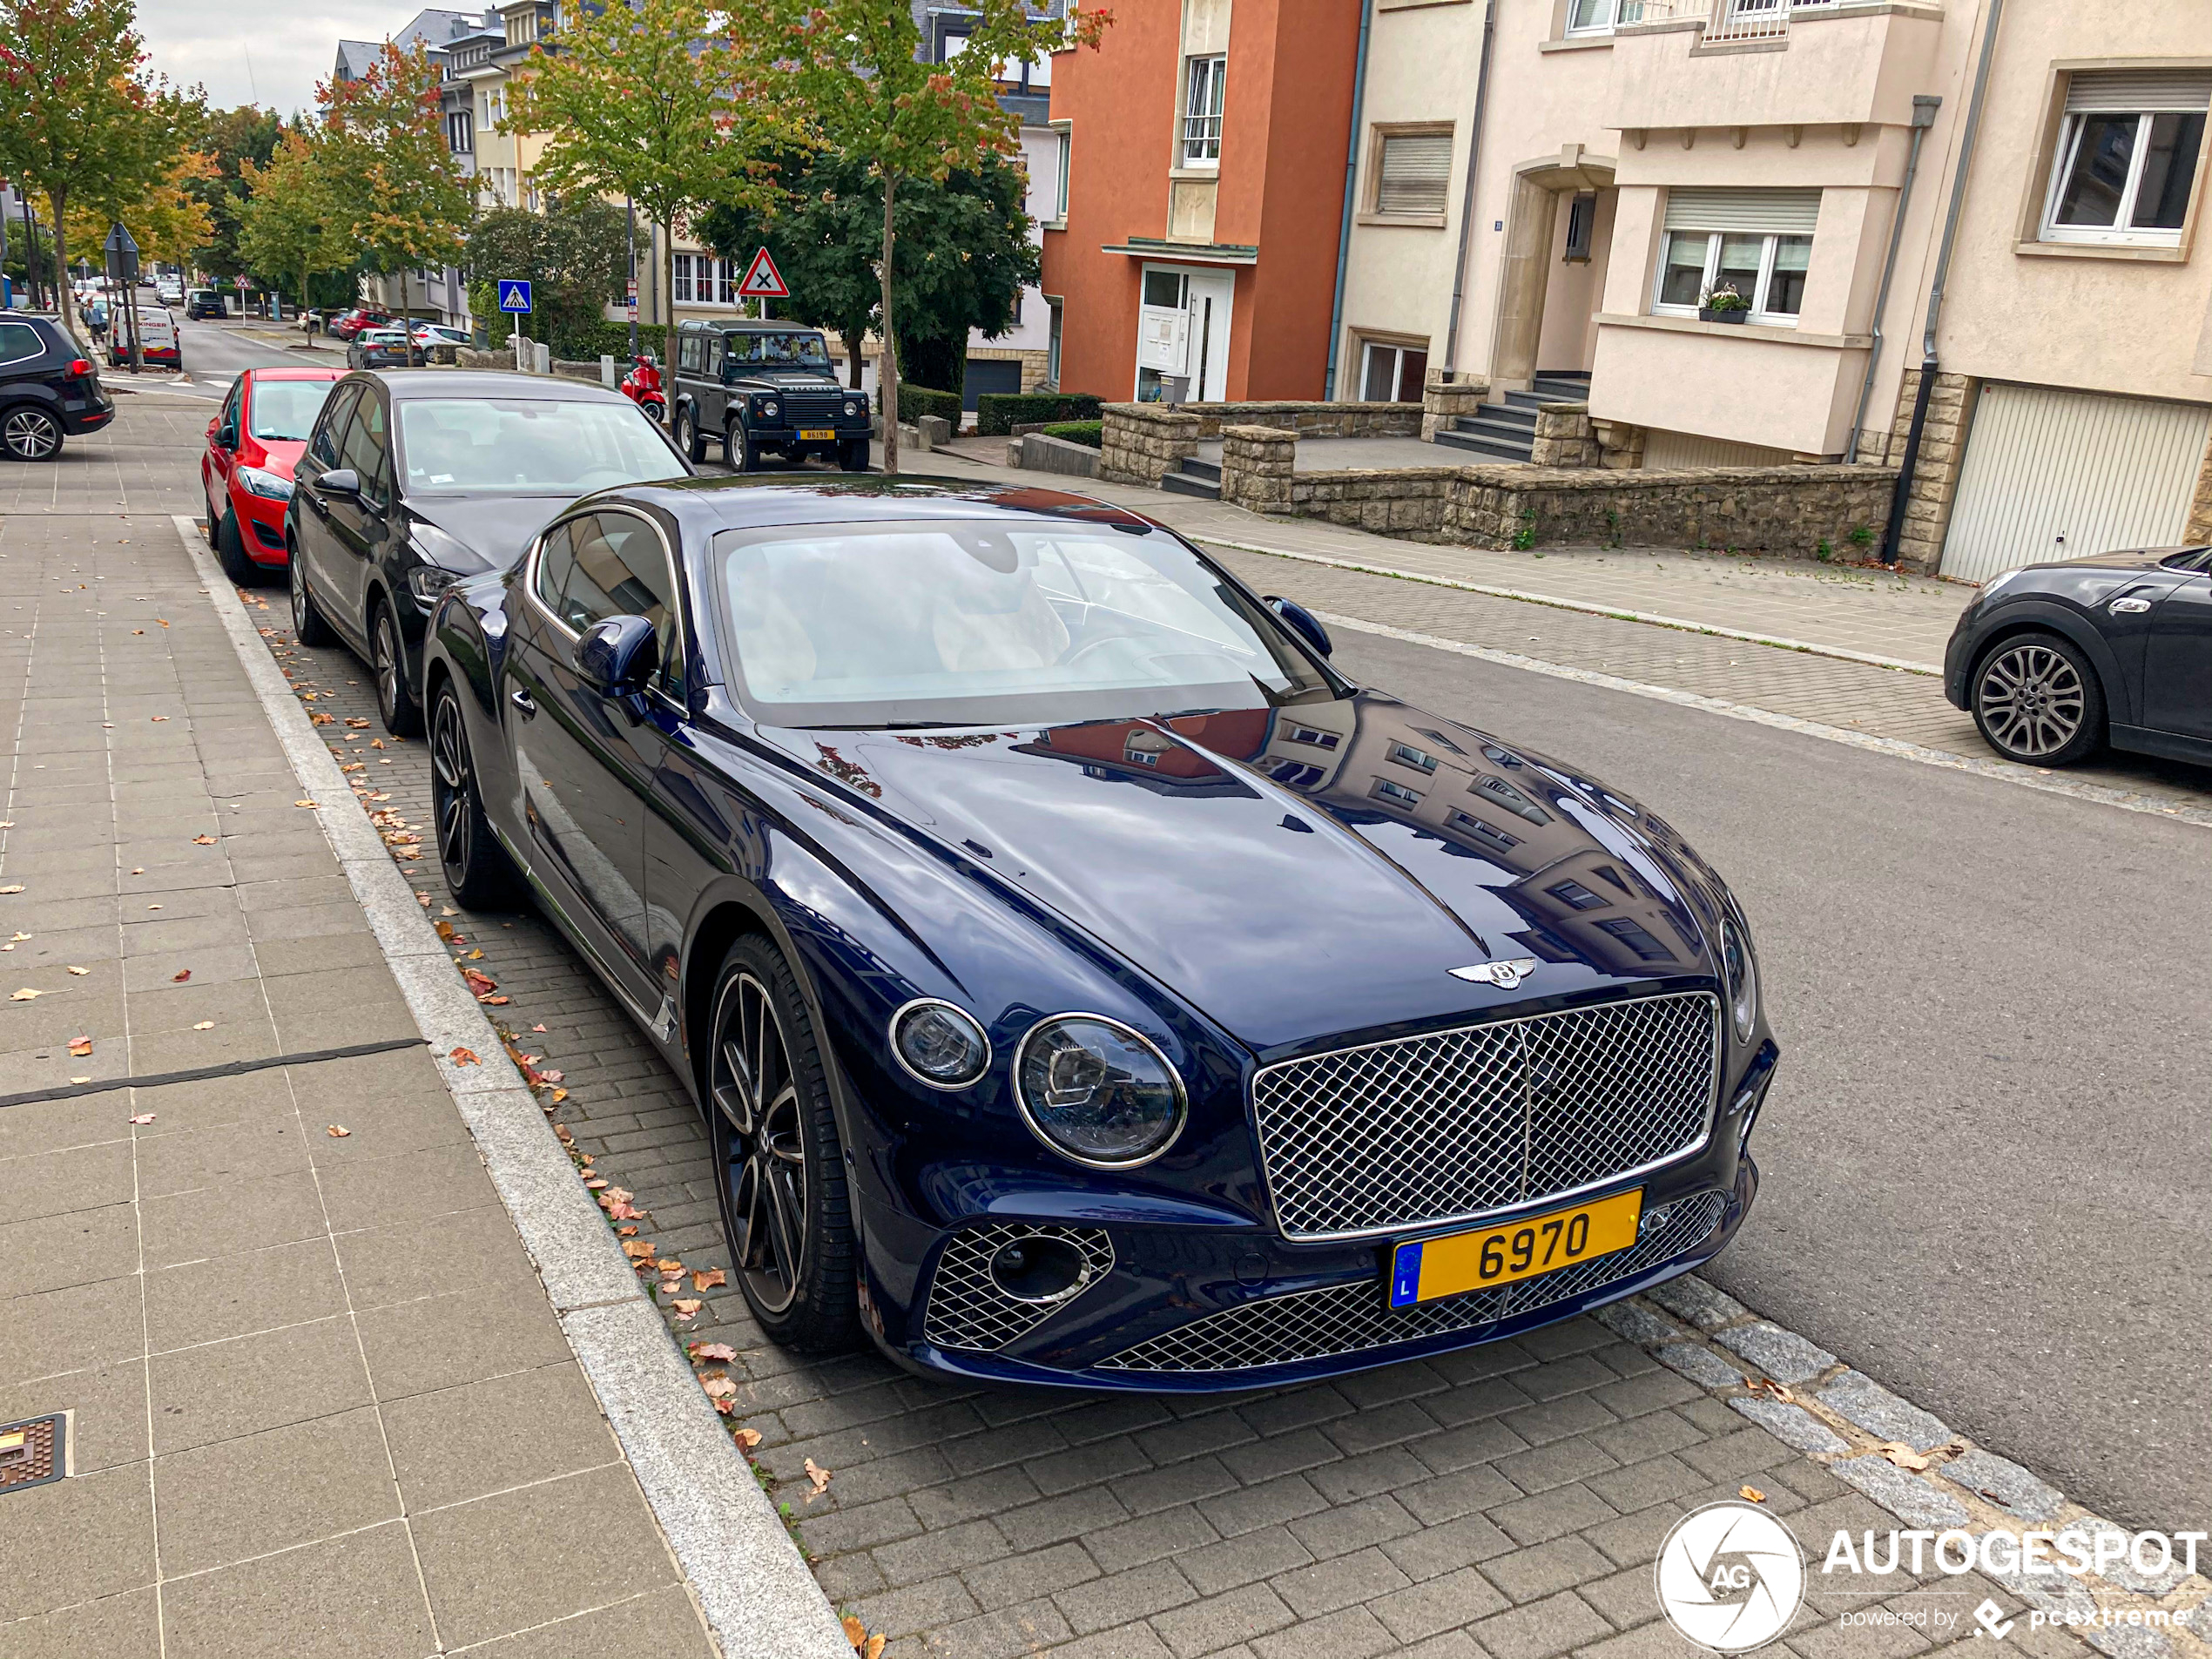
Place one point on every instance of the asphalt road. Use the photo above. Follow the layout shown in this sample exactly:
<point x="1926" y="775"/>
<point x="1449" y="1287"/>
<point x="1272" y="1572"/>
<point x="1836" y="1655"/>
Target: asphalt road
<point x="217" y="353"/>
<point x="1984" y="1162"/>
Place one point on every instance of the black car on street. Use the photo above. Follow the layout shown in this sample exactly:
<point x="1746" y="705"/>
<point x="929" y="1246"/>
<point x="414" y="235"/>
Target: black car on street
<point x="763" y="388"/>
<point x="2057" y="661"/>
<point x="49" y="388"/>
<point x="416" y="478"/>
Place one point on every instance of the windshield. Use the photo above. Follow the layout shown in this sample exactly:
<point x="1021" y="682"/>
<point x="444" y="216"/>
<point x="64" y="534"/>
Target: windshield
<point x="286" y="410"/>
<point x="977" y="624"/>
<point x="452" y="445"/>
<point x="793" y="350"/>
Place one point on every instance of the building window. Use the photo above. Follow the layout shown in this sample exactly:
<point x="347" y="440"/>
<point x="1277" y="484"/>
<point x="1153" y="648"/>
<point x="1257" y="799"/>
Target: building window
<point x="1755" y="243"/>
<point x="1486" y="835"/>
<point x="1582" y="228"/>
<point x="461" y="135"/>
<point x="1318" y="740"/>
<point x="1052" y="347"/>
<point x="1599" y="17"/>
<point x="1064" y="152"/>
<point x="1509" y="798"/>
<point x="1412" y="175"/>
<point x="1637" y="940"/>
<point x="1397" y="794"/>
<point x="1203" y="79"/>
<point x="683" y="278"/>
<point x="2125" y="162"/>
<point x="1391" y="374"/>
<point x="1575" y="893"/>
<point x="1406" y="755"/>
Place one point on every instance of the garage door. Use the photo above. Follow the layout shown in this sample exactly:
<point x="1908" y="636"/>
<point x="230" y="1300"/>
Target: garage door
<point x="2052" y="474"/>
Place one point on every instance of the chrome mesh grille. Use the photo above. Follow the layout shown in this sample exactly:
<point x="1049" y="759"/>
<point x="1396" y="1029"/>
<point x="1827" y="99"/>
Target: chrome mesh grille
<point x="1445" y="1127"/>
<point x="809" y="406"/>
<point x="966" y="1307"/>
<point x="1347" y="1319"/>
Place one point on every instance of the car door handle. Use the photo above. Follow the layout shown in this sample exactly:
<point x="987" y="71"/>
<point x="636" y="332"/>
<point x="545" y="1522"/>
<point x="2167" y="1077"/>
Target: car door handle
<point x="2130" y="606"/>
<point x="523" y="701"/>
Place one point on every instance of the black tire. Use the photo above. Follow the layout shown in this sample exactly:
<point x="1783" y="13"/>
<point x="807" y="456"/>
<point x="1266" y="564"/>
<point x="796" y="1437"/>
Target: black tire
<point x="852" y="455"/>
<point x="745" y="454"/>
<point x="786" y="1214"/>
<point x="28" y="433"/>
<point x="395" y="703"/>
<point x="687" y="435"/>
<point x="477" y="870"/>
<point x="230" y="553"/>
<point x="2037" y="700"/>
<point x="308" y="625"/>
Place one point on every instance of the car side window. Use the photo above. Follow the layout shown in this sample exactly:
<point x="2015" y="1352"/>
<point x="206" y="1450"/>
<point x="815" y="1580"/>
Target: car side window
<point x="555" y="561"/>
<point x="331" y="430"/>
<point x="20" y="341"/>
<point x="619" y="571"/>
<point x="369" y="449"/>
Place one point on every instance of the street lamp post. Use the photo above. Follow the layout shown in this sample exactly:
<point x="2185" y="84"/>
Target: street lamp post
<point x="629" y="208"/>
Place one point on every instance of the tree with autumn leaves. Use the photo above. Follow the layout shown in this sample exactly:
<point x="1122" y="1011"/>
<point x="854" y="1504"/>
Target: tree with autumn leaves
<point x="388" y="177"/>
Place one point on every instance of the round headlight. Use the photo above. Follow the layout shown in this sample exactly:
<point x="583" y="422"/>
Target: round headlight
<point x="1096" y="1091"/>
<point x="768" y="408"/>
<point x="1741" y="969"/>
<point x="850" y="408"/>
<point x="940" y="1045"/>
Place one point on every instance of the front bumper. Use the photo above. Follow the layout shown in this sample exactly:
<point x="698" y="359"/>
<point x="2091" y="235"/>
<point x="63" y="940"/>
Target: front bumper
<point x="260" y="527"/>
<point x="1198" y="1309"/>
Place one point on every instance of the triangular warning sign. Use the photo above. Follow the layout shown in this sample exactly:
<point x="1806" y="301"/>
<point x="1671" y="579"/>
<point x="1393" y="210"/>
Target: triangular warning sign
<point x="762" y="279"/>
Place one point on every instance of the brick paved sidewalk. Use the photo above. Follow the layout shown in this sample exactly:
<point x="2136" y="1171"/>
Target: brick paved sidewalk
<point x="320" y="1405"/>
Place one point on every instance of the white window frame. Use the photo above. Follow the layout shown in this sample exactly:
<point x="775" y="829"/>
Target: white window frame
<point x="1063" y="168"/>
<point x="1768" y="241"/>
<point x="1398" y="350"/>
<point x="2121" y="234"/>
<point x="1607" y="16"/>
<point x="1202" y="127"/>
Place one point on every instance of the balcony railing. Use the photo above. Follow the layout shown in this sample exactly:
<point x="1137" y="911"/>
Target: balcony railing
<point x="1731" y="21"/>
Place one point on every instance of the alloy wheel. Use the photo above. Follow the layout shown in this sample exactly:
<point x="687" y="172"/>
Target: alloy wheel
<point x="301" y="618"/>
<point x="764" y="1178"/>
<point x="2031" y="699"/>
<point x="388" y="668"/>
<point x="449" y="786"/>
<point x="31" y="435"/>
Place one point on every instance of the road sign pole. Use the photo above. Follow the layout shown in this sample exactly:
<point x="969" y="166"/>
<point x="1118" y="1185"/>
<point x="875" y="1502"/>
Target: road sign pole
<point x="629" y="208"/>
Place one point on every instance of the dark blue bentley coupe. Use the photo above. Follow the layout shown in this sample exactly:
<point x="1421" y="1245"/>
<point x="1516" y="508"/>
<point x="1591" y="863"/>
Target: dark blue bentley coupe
<point x="1084" y="981"/>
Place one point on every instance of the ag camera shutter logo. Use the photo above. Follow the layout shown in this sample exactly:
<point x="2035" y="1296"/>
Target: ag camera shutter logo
<point x="1731" y="1577"/>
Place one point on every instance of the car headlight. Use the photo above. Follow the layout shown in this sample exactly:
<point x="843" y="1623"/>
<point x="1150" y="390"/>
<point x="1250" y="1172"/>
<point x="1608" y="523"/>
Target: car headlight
<point x="442" y="560"/>
<point x="267" y="485"/>
<point x="940" y="1044"/>
<point x="852" y="406"/>
<point x="1096" y="1091"/>
<point x="768" y="408"/>
<point x="1740" y="970"/>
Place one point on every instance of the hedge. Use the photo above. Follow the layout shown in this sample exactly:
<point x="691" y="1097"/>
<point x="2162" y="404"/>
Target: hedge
<point x="998" y="412"/>
<point x="1090" y="432"/>
<point x="914" y="402"/>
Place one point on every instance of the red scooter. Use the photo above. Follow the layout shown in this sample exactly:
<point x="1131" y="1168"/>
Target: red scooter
<point x="642" y="387"/>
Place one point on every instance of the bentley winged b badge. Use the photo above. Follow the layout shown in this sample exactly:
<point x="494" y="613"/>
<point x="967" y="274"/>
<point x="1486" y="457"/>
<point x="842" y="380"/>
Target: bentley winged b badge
<point x="1505" y="974"/>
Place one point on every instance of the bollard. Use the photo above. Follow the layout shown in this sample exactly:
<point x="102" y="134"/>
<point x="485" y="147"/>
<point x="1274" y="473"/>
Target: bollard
<point x="540" y="358"/>
<point x="607" y="371"/>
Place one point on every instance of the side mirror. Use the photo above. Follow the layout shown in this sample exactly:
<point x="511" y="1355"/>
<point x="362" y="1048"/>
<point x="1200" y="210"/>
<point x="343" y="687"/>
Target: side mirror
<point x="343" y="481"/>
<point x="227" y="438"/>
<point x="1301" y="621"/>
<point x="617" y="655"/>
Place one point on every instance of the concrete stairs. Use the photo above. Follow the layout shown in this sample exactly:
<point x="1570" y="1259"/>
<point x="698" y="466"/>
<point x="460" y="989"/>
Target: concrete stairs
<point x="1508" y="431"/>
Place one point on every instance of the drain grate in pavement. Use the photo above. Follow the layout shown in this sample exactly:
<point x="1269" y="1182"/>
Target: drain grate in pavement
<point x="33" y="1453"/>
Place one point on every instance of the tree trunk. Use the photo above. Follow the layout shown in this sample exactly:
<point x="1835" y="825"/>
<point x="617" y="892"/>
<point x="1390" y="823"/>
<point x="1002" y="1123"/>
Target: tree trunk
<point x="668" y="322"/>
<point x="887" y="368"/>
<point x="56" y="200"/>
<point x="852" y="355"/>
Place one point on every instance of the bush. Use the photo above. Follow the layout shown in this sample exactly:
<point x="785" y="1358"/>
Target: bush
<point x="998" y="412"/>
<point x="590" y="343"/>
<point x="914" y="402"/>
<point x="1091" y="432"/>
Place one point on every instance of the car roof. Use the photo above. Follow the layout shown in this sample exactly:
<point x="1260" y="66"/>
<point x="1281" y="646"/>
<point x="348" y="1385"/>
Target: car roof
<point x="708" y="504"/>
<point x="291" y="372"/>
<point x="747" y="325"/>
<point x="487" y="383"/>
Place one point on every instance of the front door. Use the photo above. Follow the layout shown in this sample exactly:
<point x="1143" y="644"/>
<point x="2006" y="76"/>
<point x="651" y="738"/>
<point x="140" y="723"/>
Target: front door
<point x="1212" y="292"/>
<point x="1183" y="333"/>
<point x="2177" y="661"/>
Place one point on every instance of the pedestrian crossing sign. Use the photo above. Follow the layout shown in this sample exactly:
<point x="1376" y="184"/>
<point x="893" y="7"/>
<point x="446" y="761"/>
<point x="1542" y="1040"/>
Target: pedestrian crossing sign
<point x="513" y="295"/>
<point x="762" y="279"/>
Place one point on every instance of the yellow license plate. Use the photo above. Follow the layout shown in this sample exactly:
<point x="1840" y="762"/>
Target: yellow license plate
<point x="816" y="434"/>
<point x="1430" y="1268"/>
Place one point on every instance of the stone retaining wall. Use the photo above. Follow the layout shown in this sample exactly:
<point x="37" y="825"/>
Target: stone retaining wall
<point x="1257" y="464"/>
<point x="1141" y="443"/>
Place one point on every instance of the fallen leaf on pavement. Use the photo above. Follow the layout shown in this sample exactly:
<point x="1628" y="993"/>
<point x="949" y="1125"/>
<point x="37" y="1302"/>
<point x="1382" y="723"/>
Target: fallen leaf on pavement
<point x="711" y="1351"/>
<point x="1773" y="1389"/>
<point x="180" y="976"/>
<point x="444" y="929"/>
<point x="560" y="1095"/>
<point x="624" y="1232"/>
<point x="719" y="1388"/>
<point x="538" y="1027"/>
<point x="355" y="720"/>
<point x="203" y="841"/>
<point x="141" y="870"/>
<point x="464" y="1057"/>
<point x="26" y="995"/>
<point x="622" y="1210"/>
<point x="205" y="1025"/>
<point x="80" y="972"/>
<point x="708" y="1279"/>
<point x="746" y="1438"/>
<point x="855" y="1632"/>
<point x="13" y="887"/>
<point x="1904" y="1456"/>
<point x="688" y="1306"/>
<point x="479" y="982"/>
<point x="80" y="1080"/>
<point x="142" y="1117"/>
<point x="338" y="1131"/>
<point x="80" y="1047"/>
<point x="818" y="1475"/>
<point x="874" y="1649"/>
<point x="1750" y="1494"/>
<point x="303" y="803"/>
<point x="551" y="1076"/>
<point x="639" y="1249"/>
<point x="597" y="1182"/>
<point x="158" y="718"/>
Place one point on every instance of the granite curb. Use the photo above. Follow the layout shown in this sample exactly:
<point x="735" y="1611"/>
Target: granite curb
<point x="757" y="1593"/>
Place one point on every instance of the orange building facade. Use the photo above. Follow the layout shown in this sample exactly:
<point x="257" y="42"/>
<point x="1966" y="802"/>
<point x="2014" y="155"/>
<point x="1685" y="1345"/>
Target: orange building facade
<point x="1203" y="149"/>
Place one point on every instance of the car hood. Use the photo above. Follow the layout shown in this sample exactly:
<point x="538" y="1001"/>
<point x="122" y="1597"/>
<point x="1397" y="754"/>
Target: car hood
<point x="1249" y="861"/>
<point x="497" y="526"/>
<point x="279" y="456"/>
<point x="789" y="380"/>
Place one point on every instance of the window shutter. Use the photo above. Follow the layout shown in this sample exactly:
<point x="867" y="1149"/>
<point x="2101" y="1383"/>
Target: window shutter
<point x="2134" y="90"/>
<point x="1416" y="173"/>
<point x="1755" y="212"/>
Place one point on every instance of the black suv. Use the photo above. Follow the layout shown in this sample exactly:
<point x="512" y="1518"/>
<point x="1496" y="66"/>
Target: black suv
<point x="47" y="387"/>
<point x="764" y="388"/>
<point x="204" y="302"/>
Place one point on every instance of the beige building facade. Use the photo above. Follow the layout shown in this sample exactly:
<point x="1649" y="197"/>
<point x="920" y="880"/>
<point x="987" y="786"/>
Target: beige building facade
<point x="1635" y="160"/>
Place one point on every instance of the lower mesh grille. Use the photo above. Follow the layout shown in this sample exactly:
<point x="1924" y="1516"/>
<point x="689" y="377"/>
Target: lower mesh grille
<point x="1346" y="1319"/>
<point x="966" y="1307"/>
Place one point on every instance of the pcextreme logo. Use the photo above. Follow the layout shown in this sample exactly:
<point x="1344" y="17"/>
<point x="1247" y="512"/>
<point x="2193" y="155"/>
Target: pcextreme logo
<point x="1731" y="1577"/>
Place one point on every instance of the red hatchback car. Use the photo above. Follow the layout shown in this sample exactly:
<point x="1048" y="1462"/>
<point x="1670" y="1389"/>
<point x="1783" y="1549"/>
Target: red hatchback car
<point x="361" y="317"/>
<point x="253" y="444"/>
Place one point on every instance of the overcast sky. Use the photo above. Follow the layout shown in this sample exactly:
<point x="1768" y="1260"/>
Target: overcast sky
<point x="265" y="51"/>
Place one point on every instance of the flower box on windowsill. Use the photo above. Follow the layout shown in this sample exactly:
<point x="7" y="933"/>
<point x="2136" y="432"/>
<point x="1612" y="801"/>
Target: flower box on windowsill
<point x="1708" y="313"/>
